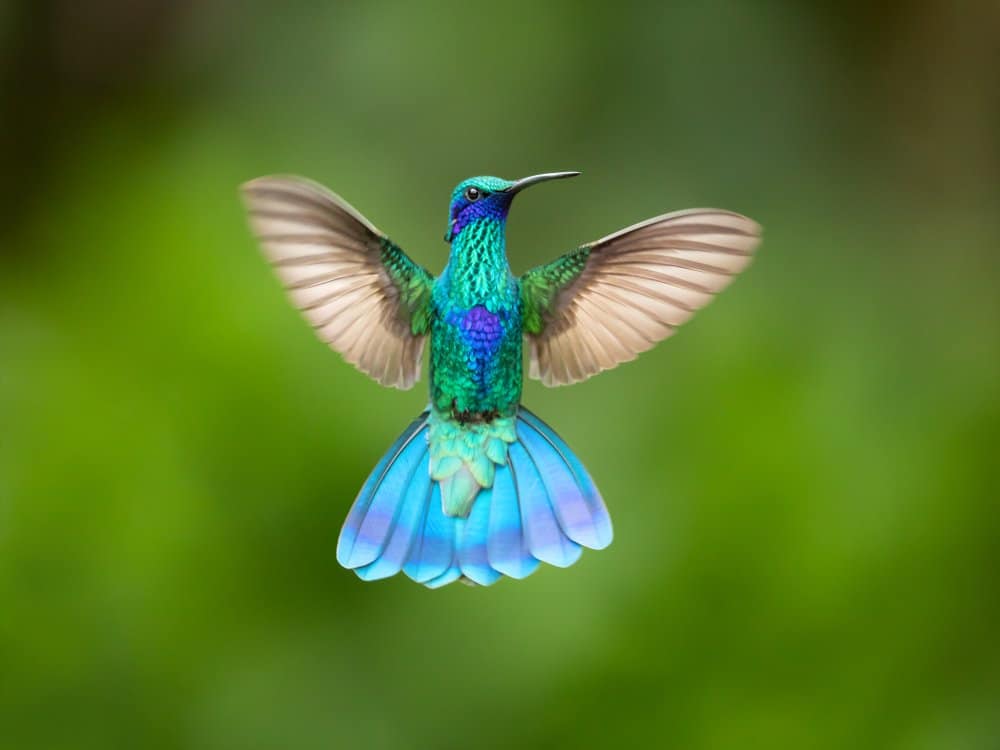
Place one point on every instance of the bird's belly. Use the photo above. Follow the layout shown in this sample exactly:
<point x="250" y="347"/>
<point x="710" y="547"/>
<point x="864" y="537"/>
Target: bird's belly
<point x="476" y="363"/>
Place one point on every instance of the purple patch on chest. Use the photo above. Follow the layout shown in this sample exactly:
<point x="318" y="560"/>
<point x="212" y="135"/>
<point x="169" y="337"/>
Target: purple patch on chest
<point x="482" y="329"/>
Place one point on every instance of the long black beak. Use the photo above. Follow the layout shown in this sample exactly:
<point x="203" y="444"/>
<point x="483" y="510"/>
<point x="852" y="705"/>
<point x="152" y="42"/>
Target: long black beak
<point x="536" y="178"/>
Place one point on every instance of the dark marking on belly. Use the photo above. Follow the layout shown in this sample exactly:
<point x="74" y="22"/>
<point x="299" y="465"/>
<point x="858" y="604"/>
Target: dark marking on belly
<point x="472" y="417"/>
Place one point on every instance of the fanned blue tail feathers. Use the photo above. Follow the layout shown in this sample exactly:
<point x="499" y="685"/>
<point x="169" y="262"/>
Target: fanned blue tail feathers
<point x="541" y="507"/>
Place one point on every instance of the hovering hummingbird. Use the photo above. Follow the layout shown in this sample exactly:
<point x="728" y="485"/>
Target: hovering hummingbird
<point x="478" y="487"/>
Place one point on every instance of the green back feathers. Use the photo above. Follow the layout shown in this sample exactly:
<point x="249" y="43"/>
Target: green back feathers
<point x="413" y="284"/>
<point x="541" y="285"/>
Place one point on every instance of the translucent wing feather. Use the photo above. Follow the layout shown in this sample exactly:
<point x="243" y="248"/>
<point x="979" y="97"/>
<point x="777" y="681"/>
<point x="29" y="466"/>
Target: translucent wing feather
<point x="362" y="293"/>
<point x="606" y="302"/>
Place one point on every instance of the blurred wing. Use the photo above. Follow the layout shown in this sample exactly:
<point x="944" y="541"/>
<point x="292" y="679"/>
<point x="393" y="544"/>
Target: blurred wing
<point x="361" y="292"/>
<point x="604" y="303"/>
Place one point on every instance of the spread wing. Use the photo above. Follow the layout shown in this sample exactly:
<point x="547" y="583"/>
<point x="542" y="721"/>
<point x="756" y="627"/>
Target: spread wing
<point x="361" y="292"/>
<point x="604" y="303"/>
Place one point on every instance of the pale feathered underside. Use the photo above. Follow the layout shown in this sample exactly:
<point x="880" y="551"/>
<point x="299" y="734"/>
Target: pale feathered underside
<point x="361" y="292"/>
<point x="606" y="302"/>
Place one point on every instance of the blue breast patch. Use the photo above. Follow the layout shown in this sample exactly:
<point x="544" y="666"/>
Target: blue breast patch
<point x="482" y="329"/>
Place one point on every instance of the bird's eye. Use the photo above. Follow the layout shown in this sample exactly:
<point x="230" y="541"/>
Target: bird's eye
<point x="472" y="194"/>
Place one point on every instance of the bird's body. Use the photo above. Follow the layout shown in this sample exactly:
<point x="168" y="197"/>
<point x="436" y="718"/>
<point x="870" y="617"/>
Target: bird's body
<point x="475" y="338"/>
<point x="478" y="487"/>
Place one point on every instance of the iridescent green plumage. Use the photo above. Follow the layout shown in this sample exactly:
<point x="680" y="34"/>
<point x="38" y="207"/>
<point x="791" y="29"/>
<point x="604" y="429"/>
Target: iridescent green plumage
<point x="476" y="330"/>
<point x="540" y="286"/>
<point x="414" y="284"/>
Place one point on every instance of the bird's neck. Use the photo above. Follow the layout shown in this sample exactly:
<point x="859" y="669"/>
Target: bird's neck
<point x="477" y="269"/>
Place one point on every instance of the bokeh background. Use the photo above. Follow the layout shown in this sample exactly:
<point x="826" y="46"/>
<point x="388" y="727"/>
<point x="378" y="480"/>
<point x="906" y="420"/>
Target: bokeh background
<point x="804" y="480"/>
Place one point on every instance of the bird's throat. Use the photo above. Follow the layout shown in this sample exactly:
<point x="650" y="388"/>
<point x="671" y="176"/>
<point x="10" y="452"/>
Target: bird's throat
<point x="478" y="267"/>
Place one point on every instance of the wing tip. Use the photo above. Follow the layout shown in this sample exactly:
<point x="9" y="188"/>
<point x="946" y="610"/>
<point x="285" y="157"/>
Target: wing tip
<point x="267" y="182"/>
<point x="293" y="182"/>
<point x="751" y="228"/>
<point x="278" y="178"/>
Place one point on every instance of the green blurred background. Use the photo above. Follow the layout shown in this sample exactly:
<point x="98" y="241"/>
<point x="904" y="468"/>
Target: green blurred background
<point x="804" y="481"/>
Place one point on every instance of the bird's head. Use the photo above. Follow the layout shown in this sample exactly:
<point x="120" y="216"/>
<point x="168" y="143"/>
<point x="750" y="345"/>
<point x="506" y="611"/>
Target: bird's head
<point x="479" y="198"/>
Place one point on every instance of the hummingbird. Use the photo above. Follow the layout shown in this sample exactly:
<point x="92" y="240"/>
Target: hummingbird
<point x="477" y="487"/>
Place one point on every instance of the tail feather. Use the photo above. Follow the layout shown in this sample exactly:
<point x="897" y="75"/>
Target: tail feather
<point x="473" y="549"/>
<point x="507" y="546"/>
<point x="598" y="512"/>
<point x="542" y="507"/>
<point x="375" y="529"/>
<point x="366" y="529"/>
<point x="546" y="540"/>
<point x="434" y="548"/>
<point x="567" y="498"/>
<point x="409" y="519"/>
<point x="450" y="575"/>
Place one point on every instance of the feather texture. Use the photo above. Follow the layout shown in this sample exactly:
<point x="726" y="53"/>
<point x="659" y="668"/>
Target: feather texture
<point x="606" y="302"/>
<point x="506" y="545"/>
<point x="371" y="522"/>
<point x="541" y="507"/>
<point x="360" y="291"/>
<point x="473" y="555"/>
<point x="433" y="550"/>
<point x="546" y="539"/>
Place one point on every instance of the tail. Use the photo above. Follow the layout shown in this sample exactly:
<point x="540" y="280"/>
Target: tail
<point x="542" y="506"/>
